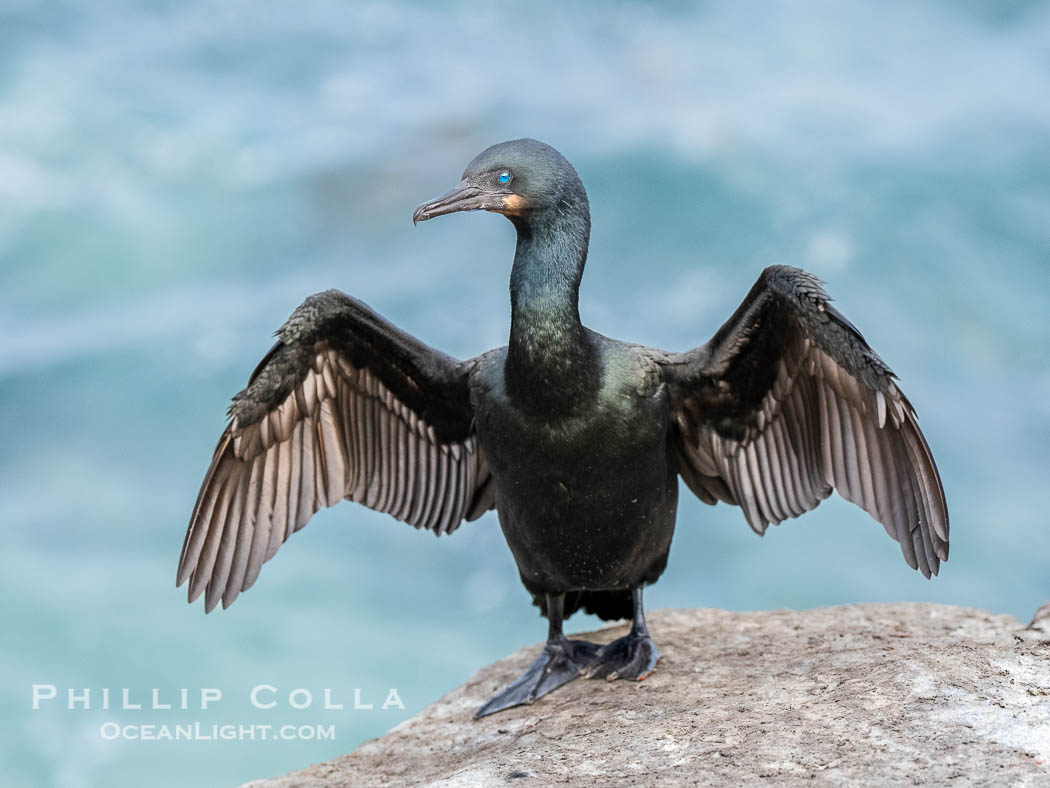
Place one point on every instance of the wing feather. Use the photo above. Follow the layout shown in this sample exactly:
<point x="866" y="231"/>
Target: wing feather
<point x="204" y="563"/>
<point x="787" y="402"/>
<point x="263" y="516"/>
<point x="344" y="406"/>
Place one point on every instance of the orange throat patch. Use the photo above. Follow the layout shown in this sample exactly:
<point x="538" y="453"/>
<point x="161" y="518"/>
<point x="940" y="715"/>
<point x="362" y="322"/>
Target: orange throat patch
<point x="514" y="205"/>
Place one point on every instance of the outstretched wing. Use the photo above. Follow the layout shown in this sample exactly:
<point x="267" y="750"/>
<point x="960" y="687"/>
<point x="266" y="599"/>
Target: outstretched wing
<point x="786" y="402"/>
<point x="345" y="405"/>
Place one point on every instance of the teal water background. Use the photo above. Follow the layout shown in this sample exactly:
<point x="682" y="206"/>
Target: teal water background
<point x="176" y="177"/>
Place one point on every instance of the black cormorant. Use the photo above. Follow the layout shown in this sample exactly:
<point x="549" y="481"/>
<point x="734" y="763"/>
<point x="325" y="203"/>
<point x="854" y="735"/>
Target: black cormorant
<point x="575" y="439"/>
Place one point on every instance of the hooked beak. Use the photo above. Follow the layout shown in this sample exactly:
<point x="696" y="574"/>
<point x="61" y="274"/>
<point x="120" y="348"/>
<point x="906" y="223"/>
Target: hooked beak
<point x="467" y="197"/>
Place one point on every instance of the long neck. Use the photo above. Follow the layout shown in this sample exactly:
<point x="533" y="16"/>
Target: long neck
<point x="551" y="363"/>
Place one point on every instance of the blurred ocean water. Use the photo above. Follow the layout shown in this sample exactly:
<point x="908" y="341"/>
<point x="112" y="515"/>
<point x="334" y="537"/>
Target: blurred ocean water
<point x="175" y="178"/>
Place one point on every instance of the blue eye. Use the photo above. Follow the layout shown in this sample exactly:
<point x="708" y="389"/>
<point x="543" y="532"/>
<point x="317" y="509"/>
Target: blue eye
<point x="504" y="177"/>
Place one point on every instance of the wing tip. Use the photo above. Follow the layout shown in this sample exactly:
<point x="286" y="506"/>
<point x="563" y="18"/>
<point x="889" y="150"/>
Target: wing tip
<point x="209" y="604"/>
<point x="192" y="593"/>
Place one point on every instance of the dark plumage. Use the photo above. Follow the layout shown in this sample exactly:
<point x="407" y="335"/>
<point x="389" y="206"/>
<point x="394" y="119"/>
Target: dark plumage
<point x="576" y="439"/>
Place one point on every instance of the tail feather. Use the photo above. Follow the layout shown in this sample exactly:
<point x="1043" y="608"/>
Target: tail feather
<point x="607" y="605"/>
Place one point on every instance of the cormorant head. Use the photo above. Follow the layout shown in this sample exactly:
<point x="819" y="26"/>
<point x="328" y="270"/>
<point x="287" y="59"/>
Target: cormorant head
<point x="522" y="179"/>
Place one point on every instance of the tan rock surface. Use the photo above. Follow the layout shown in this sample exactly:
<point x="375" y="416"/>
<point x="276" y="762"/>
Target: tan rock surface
<point x="905" y="694"/>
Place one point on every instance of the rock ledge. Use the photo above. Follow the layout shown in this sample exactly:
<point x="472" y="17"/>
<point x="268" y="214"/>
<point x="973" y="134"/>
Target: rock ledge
<point x="861" y="694"/>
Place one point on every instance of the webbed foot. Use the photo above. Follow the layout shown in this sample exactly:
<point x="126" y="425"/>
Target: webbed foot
<point x="633" y="656"/>
<point x="559" y="662"/>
